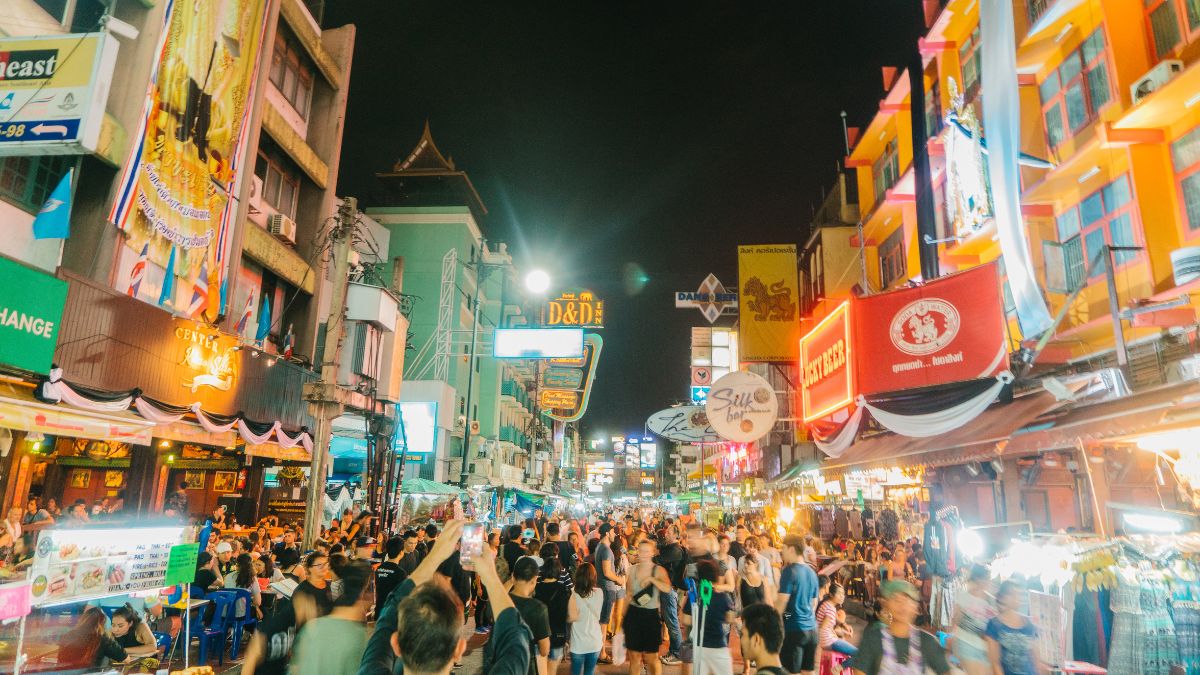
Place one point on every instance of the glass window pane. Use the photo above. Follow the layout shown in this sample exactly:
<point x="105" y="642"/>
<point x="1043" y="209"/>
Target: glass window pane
<point x="1077" y="110"/>
<point x="1094" y="244"/>
<point x="1116" y="194"/>
<point x="1091" y="209"/>
<point x="1097" y="79"/>
<point x="1193" y="13"/>
<point x="277" y="69"/>
<point x="1121" y="229"/>
<point x="287" y="198"/>
<point x="1049" y="88"/>
<point x="1054" y="125"/>
<point x="1068" y="225"/>
<point x="1186" y="150"/>
<point x="1093" y="46"/>
<point x="1191" y="200"/>
<point x="271" y="189"/>
<point x="1070" y="68"/>
<point x="1164" y="27"/>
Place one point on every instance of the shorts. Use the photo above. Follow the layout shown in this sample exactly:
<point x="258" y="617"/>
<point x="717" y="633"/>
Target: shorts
<point x="686" y="651"/>
<point x="643" y="630"/>
<point x="799" y="651"/>
<point x="610" y="599"/>
<point x="556" y="653"/>
<point x="967" y="652"/>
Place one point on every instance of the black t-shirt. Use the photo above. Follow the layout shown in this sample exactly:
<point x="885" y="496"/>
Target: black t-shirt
<point x="512" y="550"/>
<point x="716" y="625"/>
<point x="870" y="651"/>
<point x="537" y="617"/>
<point x="566" y="555"/>
<point x="387" y="577"/>
<point x="555" y="596"/>
<point x="409" y="562"/>
<point x="205" y="577"/>
<point x="674" y="559"/>
<point x="322" y="596"/>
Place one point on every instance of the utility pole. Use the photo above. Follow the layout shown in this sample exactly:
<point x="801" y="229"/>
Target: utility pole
<point x="480" y="274"/>
<point x="326" y="400"/>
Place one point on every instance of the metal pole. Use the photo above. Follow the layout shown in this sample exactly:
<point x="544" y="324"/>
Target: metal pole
<point x="323" y="395"/>
<point x="480" y="274"/>
<point x="1114" y="307"/>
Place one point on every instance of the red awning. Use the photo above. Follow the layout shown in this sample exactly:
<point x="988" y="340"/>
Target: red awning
<point x="975" y="440"/>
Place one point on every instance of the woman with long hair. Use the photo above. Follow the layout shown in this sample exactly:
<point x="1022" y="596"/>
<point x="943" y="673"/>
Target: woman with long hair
<point x="827" y="621"/>
<point x="583" y="613"/>
<point x="87" y="644"/>
<point x="133" y="634"/>
<point x="621" y="567"/>
<point x="243" y="577"/>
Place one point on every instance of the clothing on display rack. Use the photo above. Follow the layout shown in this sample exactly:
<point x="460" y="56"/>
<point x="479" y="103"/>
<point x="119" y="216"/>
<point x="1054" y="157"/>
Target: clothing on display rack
<point x="841" y="523"/>
<point x="940" y="542"/>
<point x="889" y="525"/>
<point x="856" y="524"/>
<point x="1143" y="637"/>
<point x="826" y="520"/>
<point x="1185" y="610"/>
<point x="1092" y="623"/>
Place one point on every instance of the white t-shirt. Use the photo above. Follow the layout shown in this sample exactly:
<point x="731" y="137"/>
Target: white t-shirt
<point x="586" y="637"/>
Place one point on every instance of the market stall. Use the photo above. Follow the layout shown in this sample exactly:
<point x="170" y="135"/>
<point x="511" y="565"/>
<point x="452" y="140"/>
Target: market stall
<point x="422" y="499"/>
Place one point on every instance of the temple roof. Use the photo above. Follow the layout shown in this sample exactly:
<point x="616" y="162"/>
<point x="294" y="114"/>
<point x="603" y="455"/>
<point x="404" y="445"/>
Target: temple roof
<point x="426" y="177"/>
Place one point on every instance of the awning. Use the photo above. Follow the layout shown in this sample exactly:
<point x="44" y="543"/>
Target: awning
<point x="976" y="440"/>
<point x="709" y="470"/>
<point x="20" y="410"/>
<point x="1158" y="409"/>
<point x="787" y="476"/>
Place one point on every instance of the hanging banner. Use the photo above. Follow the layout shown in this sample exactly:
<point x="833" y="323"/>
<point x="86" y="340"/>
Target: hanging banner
<point x="175" y="192"/>
<point x="1002" y="111"/>
<point x="742" y="407"/>
<point x="769" y="321"/>
<point x="949" y="330"/>
<point x="684" y="424"/>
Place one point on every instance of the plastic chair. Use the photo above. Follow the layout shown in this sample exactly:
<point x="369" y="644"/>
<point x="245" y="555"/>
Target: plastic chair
<point x="163" y="640"/>
<point x="223" y="604"/>
<point x="248" y="620"/>
<point x="832" y="663"/>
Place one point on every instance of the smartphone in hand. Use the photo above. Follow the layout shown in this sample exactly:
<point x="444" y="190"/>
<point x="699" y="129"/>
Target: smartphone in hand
<point x="471" y="544"/>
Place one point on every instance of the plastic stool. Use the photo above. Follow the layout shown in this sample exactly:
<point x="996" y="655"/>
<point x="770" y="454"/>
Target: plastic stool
<point x="832" y="663"/>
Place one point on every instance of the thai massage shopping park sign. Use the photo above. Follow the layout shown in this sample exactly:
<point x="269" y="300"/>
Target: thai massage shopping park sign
<point x="31" y="310"/>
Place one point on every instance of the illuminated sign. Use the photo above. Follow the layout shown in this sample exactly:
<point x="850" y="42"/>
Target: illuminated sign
<point x="711" y="298"/>
<point x="684" y="424"/>
<point x="649" y="455"/>
<point x="586" y="375"/>
<point x="537" y="343"/>
<point x="826" y="367"/>
<point x="559" y="398"/>
<point x="700" y="395"/>
<point x="420" y="427"/>
<point x="742" y="407"/>
<point x="77" y="565"/>
<point x="580" y="309"/>
<point x="210" y="357"/>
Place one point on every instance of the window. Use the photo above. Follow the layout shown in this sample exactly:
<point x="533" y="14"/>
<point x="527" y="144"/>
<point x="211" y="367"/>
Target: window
<point x="28" y="181"/>
<point x="933" y="111"/>
<point x="291" y="73"/>
<point x="886" y="170"/>
<point x="1185" y="153"/>
<point x="1074" y="92"/>
<point x="968" y="59"/>
<point x="1169" y="22"/>
<point x="281" y="181"/>
<point x="891" y="258"/>
<point x="1106" y="217"/>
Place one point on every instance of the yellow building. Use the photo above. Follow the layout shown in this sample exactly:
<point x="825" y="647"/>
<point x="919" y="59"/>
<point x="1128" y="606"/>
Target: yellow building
<point x="1108" y="93"/>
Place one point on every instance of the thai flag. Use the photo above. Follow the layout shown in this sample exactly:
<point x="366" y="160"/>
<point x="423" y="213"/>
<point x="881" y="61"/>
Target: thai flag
<point x="249" y="309"/>
<point x="139" y="271"/>
<point x="199" y="290"/>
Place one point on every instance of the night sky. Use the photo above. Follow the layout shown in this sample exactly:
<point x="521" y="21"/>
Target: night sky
<point x="601" y="134"/>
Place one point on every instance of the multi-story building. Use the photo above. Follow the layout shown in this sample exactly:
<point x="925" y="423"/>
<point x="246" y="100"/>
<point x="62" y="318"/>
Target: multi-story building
<point x="465" y="287"/>
<point x="1106" y="182"/>
<point x="197" y="256"/>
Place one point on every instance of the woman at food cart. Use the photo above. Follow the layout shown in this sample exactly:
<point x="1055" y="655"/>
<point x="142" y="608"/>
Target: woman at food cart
<point x="132" y="633"/>
<point x="87" y="644"/>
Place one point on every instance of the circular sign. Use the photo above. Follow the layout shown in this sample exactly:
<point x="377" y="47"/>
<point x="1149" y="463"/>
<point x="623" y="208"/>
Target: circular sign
<point x="683" y="424"/>
<point x="742" y="407"/>
<point x="924" y="326"/>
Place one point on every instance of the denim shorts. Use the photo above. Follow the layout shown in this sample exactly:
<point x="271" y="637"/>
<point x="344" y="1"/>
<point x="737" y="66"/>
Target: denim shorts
<point x="556" y="653"/>
<point x="610" y="599"/>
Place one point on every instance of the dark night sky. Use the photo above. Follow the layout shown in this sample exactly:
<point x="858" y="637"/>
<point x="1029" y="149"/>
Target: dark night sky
<point x="606" y="133"/>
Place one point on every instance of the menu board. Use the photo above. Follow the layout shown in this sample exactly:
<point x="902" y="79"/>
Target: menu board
<point x="76" y="565"/>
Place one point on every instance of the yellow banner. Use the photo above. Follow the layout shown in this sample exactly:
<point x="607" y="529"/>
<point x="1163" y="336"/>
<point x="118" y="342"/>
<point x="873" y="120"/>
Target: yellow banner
<point x="769" y="318"/>
<point x="175" y="191"/>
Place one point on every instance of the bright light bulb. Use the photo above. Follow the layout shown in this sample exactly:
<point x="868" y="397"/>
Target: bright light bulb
<point x="537" y="281"/>
<point x="970" y="543"/>
<point x="787" y="515"/>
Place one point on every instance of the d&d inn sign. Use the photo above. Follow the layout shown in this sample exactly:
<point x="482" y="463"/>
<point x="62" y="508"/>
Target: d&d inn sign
<point x="31" y="309"/>
<point x="576" y="310"/>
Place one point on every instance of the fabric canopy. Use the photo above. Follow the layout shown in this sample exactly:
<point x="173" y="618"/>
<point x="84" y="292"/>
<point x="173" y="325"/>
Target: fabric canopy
<point x="422" y="486"/>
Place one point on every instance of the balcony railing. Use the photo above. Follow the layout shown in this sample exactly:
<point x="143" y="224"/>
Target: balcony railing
<point x="1037" y="9"/>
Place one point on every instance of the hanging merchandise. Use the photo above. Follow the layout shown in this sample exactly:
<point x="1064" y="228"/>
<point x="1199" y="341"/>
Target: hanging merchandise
<point x="1143" y="640"/>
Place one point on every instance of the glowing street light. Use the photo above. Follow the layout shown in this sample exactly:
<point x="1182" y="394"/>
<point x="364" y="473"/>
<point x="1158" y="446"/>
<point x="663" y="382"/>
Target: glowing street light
<point x="537" y="281"/>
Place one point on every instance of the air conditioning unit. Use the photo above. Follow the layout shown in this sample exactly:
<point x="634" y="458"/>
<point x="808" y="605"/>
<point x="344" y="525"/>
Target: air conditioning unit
<point x="1157" y="77"/>
<point x="260" y="211"/>
<point x="1186" y="264"/>
<point x="282" y="227"/>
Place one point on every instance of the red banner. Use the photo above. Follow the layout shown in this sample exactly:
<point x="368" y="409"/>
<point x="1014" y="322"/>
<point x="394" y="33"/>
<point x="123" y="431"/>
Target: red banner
<point x="949" y="330"/>
<point x="827" y="366"/>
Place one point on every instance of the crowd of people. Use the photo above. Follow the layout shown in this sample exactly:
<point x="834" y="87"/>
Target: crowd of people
<point x="638" y="589"/>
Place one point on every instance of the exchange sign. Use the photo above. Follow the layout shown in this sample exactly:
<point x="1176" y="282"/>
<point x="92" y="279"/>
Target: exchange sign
<point x="31" y="310"/>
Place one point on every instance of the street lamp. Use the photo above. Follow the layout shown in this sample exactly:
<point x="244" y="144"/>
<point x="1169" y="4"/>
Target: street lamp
<point x="537" y="281"/>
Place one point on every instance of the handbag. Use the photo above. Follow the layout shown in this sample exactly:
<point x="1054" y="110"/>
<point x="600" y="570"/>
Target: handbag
<point x="618" y="649"/>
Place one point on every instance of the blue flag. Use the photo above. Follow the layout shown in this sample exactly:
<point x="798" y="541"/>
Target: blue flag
<point x="264" y="319"/>
<point x="168" y="285"/>
<point x="54" y="219"/>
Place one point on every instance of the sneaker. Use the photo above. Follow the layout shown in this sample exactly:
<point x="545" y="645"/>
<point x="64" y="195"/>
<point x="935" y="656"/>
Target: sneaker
<point x="670" y="660"/>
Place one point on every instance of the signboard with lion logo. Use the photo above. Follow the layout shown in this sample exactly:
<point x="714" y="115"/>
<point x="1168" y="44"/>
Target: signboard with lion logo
<point x="769" y="321"/>
<point x="948" y="330"/>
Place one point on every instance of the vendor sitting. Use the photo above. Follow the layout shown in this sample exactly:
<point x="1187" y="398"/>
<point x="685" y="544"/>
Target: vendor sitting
<point x="133" y="634"/>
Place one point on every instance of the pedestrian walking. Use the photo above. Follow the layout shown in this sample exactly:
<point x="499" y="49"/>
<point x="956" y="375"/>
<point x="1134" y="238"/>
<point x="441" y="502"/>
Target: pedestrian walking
<point x="647" y="582"/>
<point x="972" y="612"/>
<point x="796" y="601"/>
<point x="711" y="633"/>
<point x="556" y="596"/>
<point x="898" y="647"/>
<point x="334" y="644"/>
<point x="762" y="638"/>
<point x="585" y="614"/>
<point x="1011" y="636"/>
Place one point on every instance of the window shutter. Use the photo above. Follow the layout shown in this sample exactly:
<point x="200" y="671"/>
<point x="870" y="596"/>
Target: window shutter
<point x="1056" y="268"/>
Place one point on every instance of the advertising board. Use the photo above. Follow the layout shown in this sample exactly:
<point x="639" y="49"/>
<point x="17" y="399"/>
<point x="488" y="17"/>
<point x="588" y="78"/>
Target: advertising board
<point x="537" y="343"/>
<point x="742" y="407"/>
